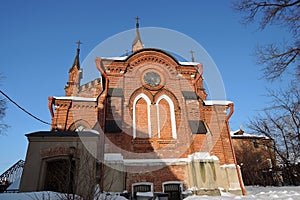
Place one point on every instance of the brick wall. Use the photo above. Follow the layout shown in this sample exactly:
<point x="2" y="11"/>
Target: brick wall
<point x="157" y="177"/>
<point x="127" y="76"/>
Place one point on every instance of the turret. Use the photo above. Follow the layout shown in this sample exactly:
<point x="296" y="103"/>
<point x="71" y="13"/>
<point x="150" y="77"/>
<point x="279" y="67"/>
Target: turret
<point x="75" y="75"/>
<point x="137" y="43"/>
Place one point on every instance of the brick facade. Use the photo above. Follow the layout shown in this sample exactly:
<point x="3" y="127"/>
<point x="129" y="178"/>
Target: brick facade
<point x="256" y="156"/>
<point x="144" y="118"/>
<point x="155" y="127"/>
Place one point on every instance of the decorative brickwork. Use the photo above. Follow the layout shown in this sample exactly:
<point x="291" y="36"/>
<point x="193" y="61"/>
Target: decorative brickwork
<point x="57" y="151"/>
<point x="143" y="125"/>
<point x="149" y="106"/>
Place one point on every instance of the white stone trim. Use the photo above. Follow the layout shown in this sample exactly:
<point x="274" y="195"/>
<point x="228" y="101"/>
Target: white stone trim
<point x="115" y="58"/>
<point x="217" y="102"/>
<point x="113" y="157"/>
<point x="202" y="156"/>
<point x="75" y="98"/>
<point x="172" y="113"/>
<point x="197" y="156"/>
<point x="153" y="162"/>
<point x="228" y="166"/>
<point x="188" y="63"/>
<point x="142" y="95"/>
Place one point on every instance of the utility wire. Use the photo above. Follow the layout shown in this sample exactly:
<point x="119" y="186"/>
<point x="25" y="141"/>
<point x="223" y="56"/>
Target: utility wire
<point x="27" y="112"/>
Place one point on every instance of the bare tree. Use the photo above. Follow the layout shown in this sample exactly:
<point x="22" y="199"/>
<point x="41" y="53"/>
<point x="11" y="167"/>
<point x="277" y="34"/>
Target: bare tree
<point x="281" y="122"/>
<point x="250" y="166"/>
<point x="274" y="58"/>
<point x="3" y="107"/>
<point x="78" y="178"/>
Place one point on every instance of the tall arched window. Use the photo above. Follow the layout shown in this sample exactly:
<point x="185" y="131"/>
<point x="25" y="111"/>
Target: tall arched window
<point x="141" y="117"/>
<point x="165" y="117"/>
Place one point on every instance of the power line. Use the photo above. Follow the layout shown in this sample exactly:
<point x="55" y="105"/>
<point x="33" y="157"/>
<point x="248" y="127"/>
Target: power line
<point x="27" y="112"/>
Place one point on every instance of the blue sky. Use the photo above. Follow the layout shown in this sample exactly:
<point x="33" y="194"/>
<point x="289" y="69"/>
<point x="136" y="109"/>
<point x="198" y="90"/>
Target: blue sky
<point x="37" y="48"/>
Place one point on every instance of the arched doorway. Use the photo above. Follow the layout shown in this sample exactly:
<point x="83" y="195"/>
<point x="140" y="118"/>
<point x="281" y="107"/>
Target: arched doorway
<point x="60" y="175"/>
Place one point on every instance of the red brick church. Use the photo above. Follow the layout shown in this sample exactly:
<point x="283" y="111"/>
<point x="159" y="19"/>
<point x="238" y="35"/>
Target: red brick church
<point x="147" y="124"/>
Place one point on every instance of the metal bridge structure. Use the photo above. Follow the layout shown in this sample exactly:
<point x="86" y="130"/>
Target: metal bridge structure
<point x="11" y="175"/>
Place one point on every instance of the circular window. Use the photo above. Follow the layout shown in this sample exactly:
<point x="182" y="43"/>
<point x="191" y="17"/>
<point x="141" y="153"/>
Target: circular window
<point x="152" y="80"/>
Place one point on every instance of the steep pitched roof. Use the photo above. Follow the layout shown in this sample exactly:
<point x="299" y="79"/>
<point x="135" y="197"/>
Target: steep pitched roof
<point x="76" y="60"/>
<point x="137" y="43"/>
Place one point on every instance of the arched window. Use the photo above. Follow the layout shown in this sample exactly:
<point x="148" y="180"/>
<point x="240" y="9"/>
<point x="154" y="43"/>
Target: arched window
<point x="80" y="125"/>
<point x="141" y="117"/>
<point x="166" y="122"/>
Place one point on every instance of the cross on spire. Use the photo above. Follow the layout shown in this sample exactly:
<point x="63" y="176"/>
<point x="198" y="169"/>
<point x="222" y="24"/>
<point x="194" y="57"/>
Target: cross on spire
<point x="137" y="43"/>
<point x="78" y="44"/>
<point x="192" y="53"/>
<point x="137" y="22"/>
<point x="76" y="60"/>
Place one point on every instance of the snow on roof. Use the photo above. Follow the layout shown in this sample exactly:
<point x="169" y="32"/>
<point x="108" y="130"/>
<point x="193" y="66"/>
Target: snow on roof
<point x="75" y="98"/>
<point x="91" y="130"/>
<point x="189" y="63"/>
<point x="124" y="58"/>
<point x="115" y="58"/>
<point x="246" y="135"/>
<point x="217" y="102"/>
<point x="236" y="134"/>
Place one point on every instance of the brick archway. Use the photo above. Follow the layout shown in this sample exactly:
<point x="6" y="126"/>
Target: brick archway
<point x="80" y="125"/>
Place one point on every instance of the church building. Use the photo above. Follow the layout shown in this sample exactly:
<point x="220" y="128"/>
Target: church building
<point x="143" y="126"/>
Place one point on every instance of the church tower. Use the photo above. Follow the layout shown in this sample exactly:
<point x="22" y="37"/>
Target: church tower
<point x="150" y="127"/>
<point x="137" y="43"/>
<point x="75" y="75"/>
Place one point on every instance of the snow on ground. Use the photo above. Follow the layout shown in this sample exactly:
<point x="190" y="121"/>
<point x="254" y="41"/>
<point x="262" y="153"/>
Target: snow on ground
<point x="44" y="195"/>
<point x="257" y="193"/>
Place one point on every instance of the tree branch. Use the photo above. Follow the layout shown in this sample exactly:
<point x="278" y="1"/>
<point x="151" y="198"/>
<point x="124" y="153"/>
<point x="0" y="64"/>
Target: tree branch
<point x="275" y="61"/>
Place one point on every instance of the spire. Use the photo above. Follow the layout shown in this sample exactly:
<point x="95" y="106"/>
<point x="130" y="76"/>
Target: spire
<point x="137" y="43"/>
<point x="75" y="75"/>
<point x="192" y="53"/>
<point x="76" y="60"/>
<point x="137" y="25"/>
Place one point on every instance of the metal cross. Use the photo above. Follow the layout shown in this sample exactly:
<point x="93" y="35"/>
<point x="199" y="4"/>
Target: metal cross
<point x="192" y="52"/>
<point x="78" y="43"/>
<point x="137" y="22"/>
<point x="137" y="19"/>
